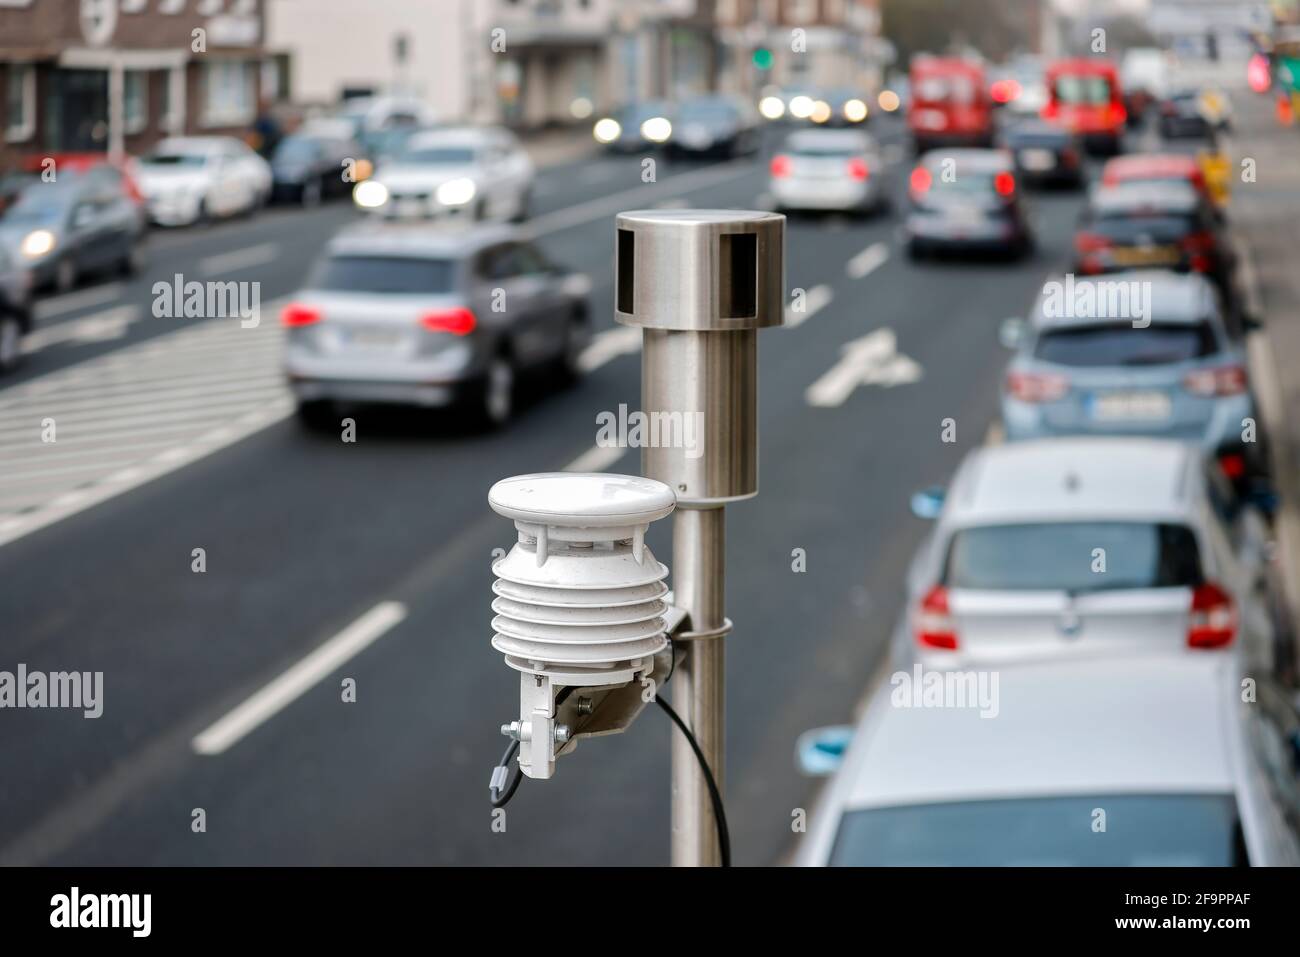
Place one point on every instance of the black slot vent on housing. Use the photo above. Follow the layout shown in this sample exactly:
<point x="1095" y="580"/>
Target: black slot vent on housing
<point x="738" y="283"/>
<point x="625" y="270"/>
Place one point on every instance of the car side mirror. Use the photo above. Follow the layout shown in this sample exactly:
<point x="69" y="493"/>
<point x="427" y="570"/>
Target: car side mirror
<point x="928" y="503"/>
<point x="820" y="751"/>
<point x="1011" y="333"/>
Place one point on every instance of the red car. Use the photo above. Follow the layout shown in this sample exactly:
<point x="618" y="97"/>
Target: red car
<point x="950" y="104"/>
<point x="1084" y="94"/>
<point x="1155" y="168"/>
<point x="85" y="162"/>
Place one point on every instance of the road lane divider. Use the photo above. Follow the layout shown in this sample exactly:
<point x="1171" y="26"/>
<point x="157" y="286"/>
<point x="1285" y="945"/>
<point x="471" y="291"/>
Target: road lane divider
<point x="609" y="345"/>
<point x="867" y="261"/>
<point x="239" y="259"/>
<point x="872" y="359"/>
<point x="815" y="300"/>
<point x="298" y="678"/>
<point x="72" y="301"/>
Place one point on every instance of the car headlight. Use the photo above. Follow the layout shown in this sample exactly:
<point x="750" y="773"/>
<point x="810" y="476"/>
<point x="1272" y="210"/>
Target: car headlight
<point x="657" y="129"/>
<point x="370" y="194"/>
<point x="772" y="107"/>
<point x="607" y="130"/>
<point x="38" y="243"/>
<point x="855" y="111"/>
<point x="821" y="112"/>
<point x="456" y="192"/>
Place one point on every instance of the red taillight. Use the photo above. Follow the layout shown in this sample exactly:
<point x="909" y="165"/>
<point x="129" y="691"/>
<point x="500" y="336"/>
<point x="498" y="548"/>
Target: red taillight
<point x="1118" y="114"/>
<point x="1004" y="183"/>
<point x="1213" y="619"/>
<point x="296" y="314"/>
<point x="1070" y="158"/>
<point x="920" y="180"/>
<point x="1050" y="112"/>
<point x="858" y="169"/>
<point x="1233" y="465"/>
<point x="1004" y="91"/>
<point x="1090" y="242"/>
<point x="1224" y="380"/>
<point x="1036" y="387"/>
<point x="459" y="321"/>
<point x="781" y="166"/>
<point x="934" y="627"/>
<point x="1198" y="242"/>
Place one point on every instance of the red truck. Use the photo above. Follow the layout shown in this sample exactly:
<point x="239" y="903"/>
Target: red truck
<point x="951" y="105"/>
<point x="1084" y="95"/>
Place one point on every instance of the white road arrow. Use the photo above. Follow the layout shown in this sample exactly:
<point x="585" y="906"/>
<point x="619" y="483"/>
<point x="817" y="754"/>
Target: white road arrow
<point x="870" y="360"/>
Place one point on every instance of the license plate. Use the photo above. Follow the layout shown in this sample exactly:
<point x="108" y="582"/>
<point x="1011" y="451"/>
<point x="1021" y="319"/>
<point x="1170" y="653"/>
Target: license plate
<point x="1146" y="256"/>
<point x="1037" y="160"/>
<point x="372" y="338"/>
<point x="409" y="207"/>
<point x="1130" y="406"/>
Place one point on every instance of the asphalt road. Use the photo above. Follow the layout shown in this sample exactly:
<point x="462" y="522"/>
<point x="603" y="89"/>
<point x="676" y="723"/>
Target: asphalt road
<point x="305" y="535"/>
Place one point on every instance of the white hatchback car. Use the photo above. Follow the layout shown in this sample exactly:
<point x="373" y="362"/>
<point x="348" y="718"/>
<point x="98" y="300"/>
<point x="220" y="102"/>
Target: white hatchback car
<point x="828" y="170"/>
<point x="1143" y="761"/>
<point x="470" y="172"/>
<point x="1087" y="546"/>
<point x="188" y="179"/>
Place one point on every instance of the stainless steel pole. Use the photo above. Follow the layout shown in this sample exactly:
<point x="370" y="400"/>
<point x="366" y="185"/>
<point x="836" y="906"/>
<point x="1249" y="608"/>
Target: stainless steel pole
<point x="699" y="685"/>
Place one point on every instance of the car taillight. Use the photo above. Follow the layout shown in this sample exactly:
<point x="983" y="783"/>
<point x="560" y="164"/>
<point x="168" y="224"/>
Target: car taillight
<point x="458" y="321"/>
<point x="934" y="626"/>
<point x="1118" y="114"/>
<point x="296" y="314"/>
<point x="1090" y="242"/>
<point x="1050" y="112"/>
<point x="920" y="180"/>
<point x="1036" y="387"/>
<point x="1224" y="380"/>
<point x="781" y="166"/>
<point x="858" y="169"/>
<point x="1004" y="183"/>
<point x="1069" y="157"/>
<point x="1213" y="619"/>
<point x="1233" y="465"/>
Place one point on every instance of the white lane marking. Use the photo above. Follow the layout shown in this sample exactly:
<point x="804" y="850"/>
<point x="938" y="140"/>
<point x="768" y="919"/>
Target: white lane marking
<point x="238" y="259"/>
<point x="596" y="459"/>
<point x="283" y="690"/>
<point x="596" y="209"/>
<point x="871" y="360"/>
<point x="58" y="305"/>
<point x="97" y="327"/>
<point x="867" y="261"/>
<point x="675" y="203"/>
<point x="816" y="299"/>
<point x="608" y="345"/>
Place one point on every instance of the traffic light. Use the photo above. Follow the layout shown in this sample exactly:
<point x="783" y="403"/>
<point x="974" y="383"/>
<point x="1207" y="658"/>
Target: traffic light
<point x="763" y="58"/>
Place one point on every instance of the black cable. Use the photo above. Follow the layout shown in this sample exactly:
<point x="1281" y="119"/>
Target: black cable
<point x="500" y="796"/>
<point x="719" y="813"/>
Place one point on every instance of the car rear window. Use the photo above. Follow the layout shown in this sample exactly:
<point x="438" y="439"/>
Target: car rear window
<point x="1083" y="90"/>
<point x="1198" y="830"/>
<point x="384" y="274"/>
<point x="1128" y="228"/>
<point x="1061" y="556"/>
<point x="439" y="156"/>
<point x="1123" y="344"/>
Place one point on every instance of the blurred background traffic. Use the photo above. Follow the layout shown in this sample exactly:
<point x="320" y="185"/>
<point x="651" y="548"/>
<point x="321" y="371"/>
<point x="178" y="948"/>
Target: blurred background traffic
<point x="293" y="283"/>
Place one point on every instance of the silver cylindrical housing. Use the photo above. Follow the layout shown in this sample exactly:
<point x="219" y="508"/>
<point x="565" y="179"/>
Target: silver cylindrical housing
<point x="701" y="282"/>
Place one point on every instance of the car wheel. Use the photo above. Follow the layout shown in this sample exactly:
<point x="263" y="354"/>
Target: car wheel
<point x="11" y="343"/>
<point x="480" y="211"/>
<point x="525" y="201"/>
<point x="135" y="260"/>
<point x="915" y="251"/>
<point x="65" y="274"/>
<point x="317" y="414"/>
<point x="577" y="336"/>
<point x="203" y="217"/>
<point x="496" y="393"/>
<point x="311" y="193"/>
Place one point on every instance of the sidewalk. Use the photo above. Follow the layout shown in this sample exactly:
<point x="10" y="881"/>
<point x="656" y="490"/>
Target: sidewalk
<point x="1265" y="215"/>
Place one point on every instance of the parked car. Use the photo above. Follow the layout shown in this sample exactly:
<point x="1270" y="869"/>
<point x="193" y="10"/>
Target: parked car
<point x="192" y="179"/>
<point x="464" y="173"/>
<point x="636" y="127"/>
<point x="1046" y="154"/>
<point x="1099" y="370"/>
<point x="714" y="125"/>
<point x="1084" y="94"/>
<point x="1165" y="225"/>
<point x="950" y="104"/>
<point x="412" y="315"/>
<point x="966" y="200"/>
<point x="828" y="170"/>
<point x="1186" y="113"/>
<point x="79" y="224"/>
<point x="1141" y="761"/>
<point x="306" y="169"/>
<point x="1087" y="546"/>
<point x="15" y="309"/>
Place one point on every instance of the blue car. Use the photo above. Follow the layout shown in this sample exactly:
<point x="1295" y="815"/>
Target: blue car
<point x="1139" y="353"/>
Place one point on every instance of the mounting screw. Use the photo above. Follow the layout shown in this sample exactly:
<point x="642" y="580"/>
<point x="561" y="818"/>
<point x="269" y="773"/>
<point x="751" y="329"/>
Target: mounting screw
<point x="562" y="734"/>
<point x="511" y="730"/>
<point x="585" y="706"/>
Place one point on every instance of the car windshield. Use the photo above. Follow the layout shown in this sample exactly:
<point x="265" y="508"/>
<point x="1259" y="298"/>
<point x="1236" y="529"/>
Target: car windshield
<point x="384" y="274"/>
<point x="175" y="159"/>
<point x="438" y="155"/>
<point x="708" y="111"/>
<point x="39" y="205"/>
<point x="297" y="148"/>
<point x="1083" y="90"/>
<point x="1123" y="344"/>
<point x="1142" y="830"/>
<point x="640" y="112"/>
<point x="1060" y="556"/>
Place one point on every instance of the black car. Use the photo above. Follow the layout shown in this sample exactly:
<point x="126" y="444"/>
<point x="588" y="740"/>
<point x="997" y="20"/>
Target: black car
<point x="307" y="168"/>
<point x="1045" y="154"/>
<point x="714" y="125"/>
<point x="1158" y="225"/>
<point x="966" y="201"/>
<point x="1181" y="115"/>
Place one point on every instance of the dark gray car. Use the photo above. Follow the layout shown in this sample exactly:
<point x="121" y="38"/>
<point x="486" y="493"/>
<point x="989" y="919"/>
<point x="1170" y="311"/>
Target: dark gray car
<point x="427" y="316"/>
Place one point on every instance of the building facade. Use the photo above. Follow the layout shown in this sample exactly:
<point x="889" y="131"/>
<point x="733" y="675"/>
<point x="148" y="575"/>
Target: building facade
<point x="116" y="76"/>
